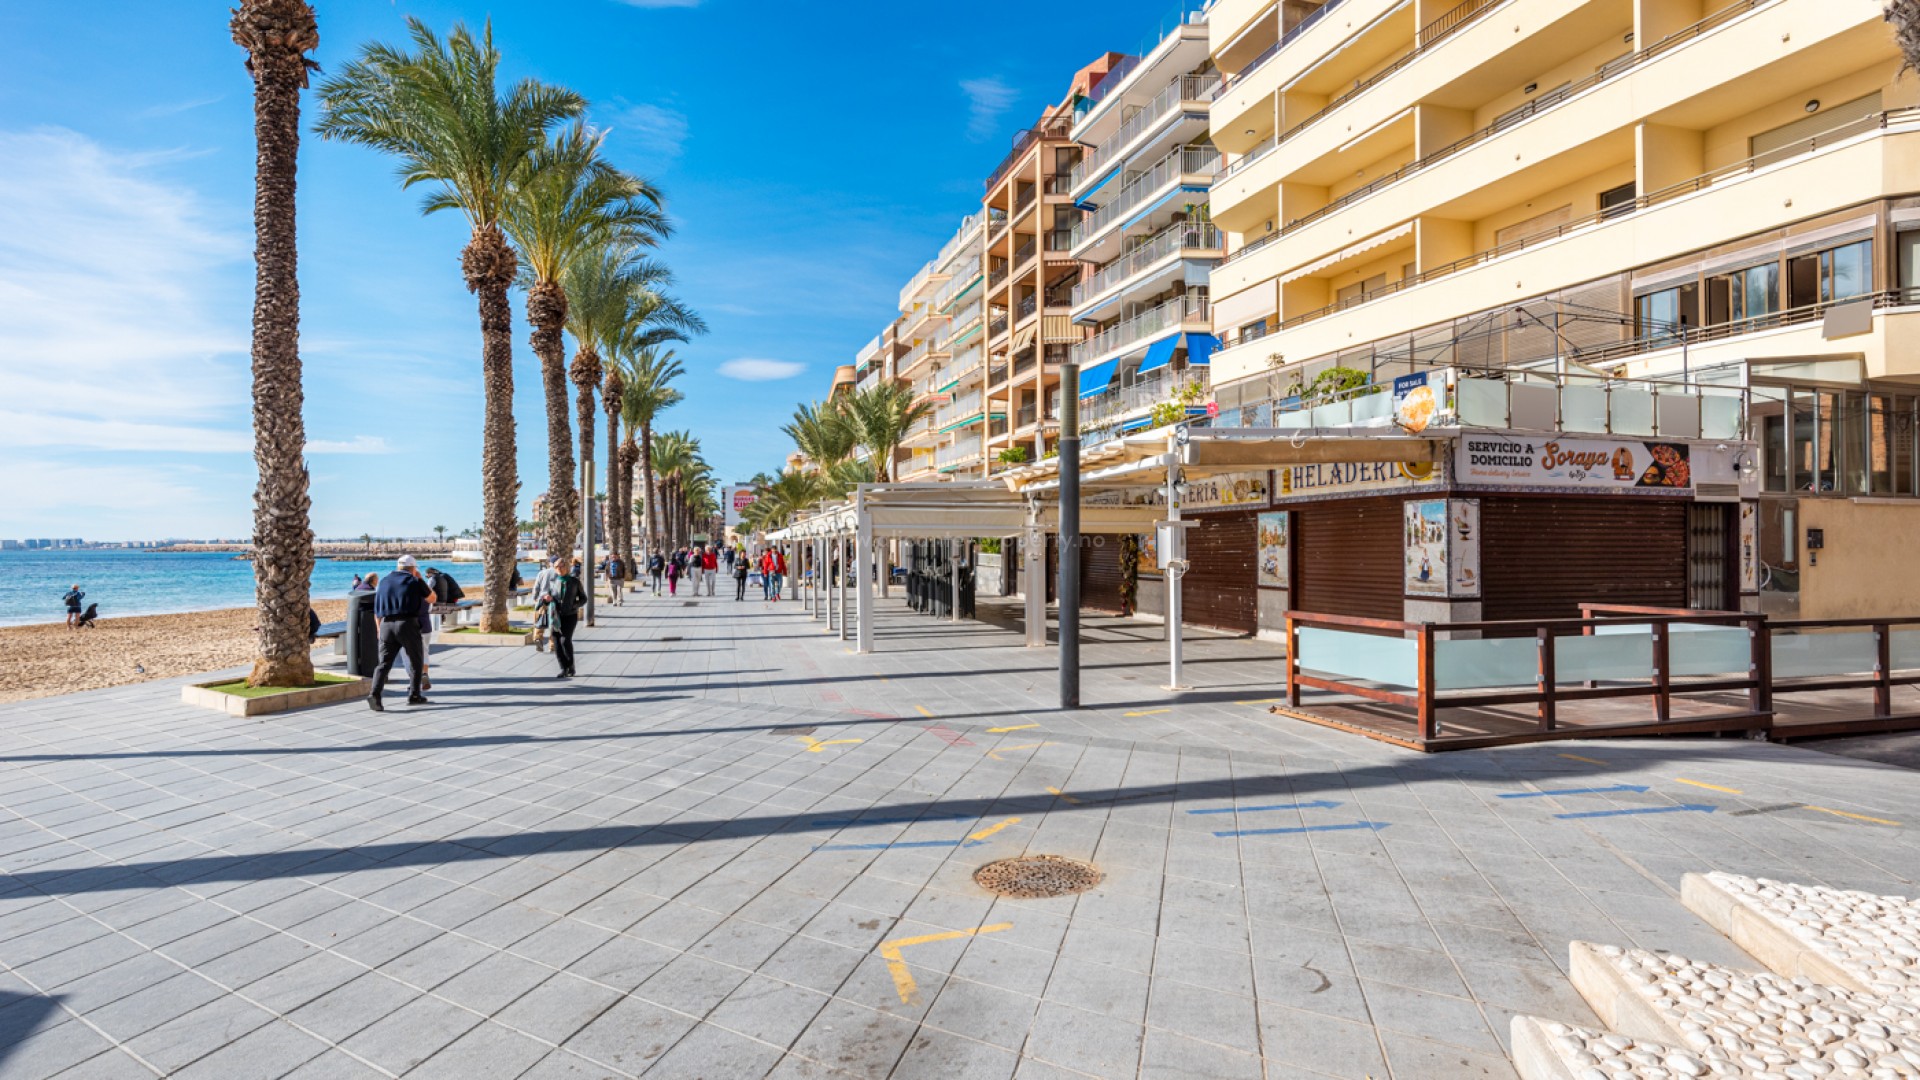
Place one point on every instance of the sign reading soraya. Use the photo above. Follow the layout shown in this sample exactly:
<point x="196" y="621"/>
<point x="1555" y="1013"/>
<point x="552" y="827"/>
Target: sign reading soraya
<point x="1594" y="464"/>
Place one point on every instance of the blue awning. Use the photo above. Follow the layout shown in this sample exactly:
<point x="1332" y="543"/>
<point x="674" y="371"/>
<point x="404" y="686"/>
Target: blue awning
<point x="1136" y="424"/>
<point x="1160" y="353"/>
<point x="1200" y="349"/>
<point x="1095" y="379"/>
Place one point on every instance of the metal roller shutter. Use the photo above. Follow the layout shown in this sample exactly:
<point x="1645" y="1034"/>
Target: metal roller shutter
<point x="1349" y="556"/>
<point x="1100" y="574"/>
<point x="1541" y="558"/>
<point x="1219" y="588"/>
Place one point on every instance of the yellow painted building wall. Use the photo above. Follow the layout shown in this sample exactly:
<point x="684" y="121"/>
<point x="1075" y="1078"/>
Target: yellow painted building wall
<point x="1865" y="569"/>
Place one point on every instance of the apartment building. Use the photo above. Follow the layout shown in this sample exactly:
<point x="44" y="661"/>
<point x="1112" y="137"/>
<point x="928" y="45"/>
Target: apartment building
<point x="956" y="387"/>
<point x="1709" y="194"/>
<point x="1144" y="235"/>
<point x="1030" y="274"/>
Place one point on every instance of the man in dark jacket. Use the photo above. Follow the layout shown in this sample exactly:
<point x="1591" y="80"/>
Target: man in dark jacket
<point x="398" y="604"/>
<point x="565" y="597"/>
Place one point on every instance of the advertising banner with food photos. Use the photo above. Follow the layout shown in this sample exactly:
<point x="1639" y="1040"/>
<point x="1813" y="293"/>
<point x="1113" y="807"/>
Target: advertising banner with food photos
<point x="1531" y="461"/>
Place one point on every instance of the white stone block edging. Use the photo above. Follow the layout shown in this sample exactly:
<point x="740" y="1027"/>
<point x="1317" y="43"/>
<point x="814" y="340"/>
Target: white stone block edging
<point x="1747" y="1024"/>
<point x="474" y="637"/>
<point x="1550" y="1050"/>
<point x="1857" y="940"/>
<point x="202" y="695"/>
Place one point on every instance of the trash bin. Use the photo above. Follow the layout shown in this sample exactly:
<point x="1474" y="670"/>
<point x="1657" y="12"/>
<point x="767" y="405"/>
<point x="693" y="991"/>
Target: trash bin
<point x="363" y="636"/>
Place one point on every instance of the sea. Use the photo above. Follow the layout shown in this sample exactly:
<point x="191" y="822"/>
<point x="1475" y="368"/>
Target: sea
<point x="125" y="582"/>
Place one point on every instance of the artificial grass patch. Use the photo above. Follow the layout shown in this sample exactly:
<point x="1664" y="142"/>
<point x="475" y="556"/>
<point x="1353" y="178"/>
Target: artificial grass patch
<point x="239" y="687"/>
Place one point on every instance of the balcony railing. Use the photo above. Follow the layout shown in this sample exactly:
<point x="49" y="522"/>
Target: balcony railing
<point x="962" y="368"/>
<point x="1149" y="390"/>
<point x="1060" y="240"/>
<point x="1027" y="306"/>
<point x="998" y="325"/>
<point x="1875" y="122"/>
<point x="1183" y="161"/>
<point x="1168" y="100"/>
<point x="1024" y="252"/>
<point x="965" y="452"/>
<point x="1054" y="128"/>
<point x="1170" y="241"/>
<point x="1140" y="327"/>
<point x="1273" y="50"/>
<point x="998" y="274"/>
<point x="1025" y="199"/>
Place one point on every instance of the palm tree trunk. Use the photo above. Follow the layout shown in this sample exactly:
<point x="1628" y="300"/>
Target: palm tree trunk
<point x="586" y="378"/>
<point x="547" y="311"/>
<point x="652" y="506"/>
<point x="489" y="265"/>
<point x="616" y="511"/>
<point x="276" y="35"/>
<point x="629" y="457"/>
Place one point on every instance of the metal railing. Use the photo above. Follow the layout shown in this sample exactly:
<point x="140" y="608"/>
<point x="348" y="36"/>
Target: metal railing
<point x="1059" y="239"/>
<point x="1027" y="306"/>
<point x="1175" y="238"/>
<point x="962" y="408"/>
<point x="1273" y="50"/>
<point x="1053" y="128"/>
<point x="1182" y="89"/>
<point x="1182" y="161"/>
<point x="1025" y="251"/>
<point x="963" y="366"/>
<point x="1025" y="199"/>
<point x="1141" y="326"/>
<point x="998" y="325"/>
<point x="963" y="453"/>
<point x="998" y="274"/>
<point x="1153" y="388"/>
<point x="1876" y="122"/>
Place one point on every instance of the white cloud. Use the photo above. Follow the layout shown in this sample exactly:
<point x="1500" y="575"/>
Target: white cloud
<point x="359" y="444"/>
<point x="122" y="307"/>
<point x="653" y="130"/>
<point x="987" y="100"/>
<point x="749" y="369"/>
<point x="173" y="108"/>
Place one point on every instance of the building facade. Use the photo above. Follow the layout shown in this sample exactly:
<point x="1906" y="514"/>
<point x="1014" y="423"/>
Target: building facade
<point x="1610" y="195"/>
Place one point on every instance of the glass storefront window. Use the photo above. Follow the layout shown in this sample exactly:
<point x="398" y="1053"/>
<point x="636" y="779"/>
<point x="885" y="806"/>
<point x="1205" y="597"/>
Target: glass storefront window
<point x="1770" y="431"/>
<point x="1802" y="434"/>
<point x="1846" y="271"/>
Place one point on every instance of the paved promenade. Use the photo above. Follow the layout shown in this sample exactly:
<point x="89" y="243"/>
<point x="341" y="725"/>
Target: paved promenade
<point x="733" y="849"/>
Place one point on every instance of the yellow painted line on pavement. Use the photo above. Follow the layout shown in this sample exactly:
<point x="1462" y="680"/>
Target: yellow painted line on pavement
<point x="995" y="754"/>
<point x="815" y="746"/>
<point x="1260" y="701"/>
<point x="1063" y="795"/>
<point x="990" y="830"/>
<point x="924" y="711"/>
<point x="1588" y="760"/>
<point x="1856" y="817"/>
<point x="1147" y="712"/>
<point x="1016" y="727"/>
<point x="903" y="982"/>
<point x="1709" y="787"/>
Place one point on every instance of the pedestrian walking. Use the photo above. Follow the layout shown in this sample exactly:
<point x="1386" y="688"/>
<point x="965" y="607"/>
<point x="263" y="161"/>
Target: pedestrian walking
<point x="673" y="575"/>
<point x="739" y="577"/>
<point x="766" y="574"/>
<point x="72" y="600"/>
<point x="566" y="598"/>
<point x="542" y="589"/>
<point x="616" y="573"/>
<point x="710" y="562"/>
<point x="656" y="567"/>
<point x="399" y="603"/>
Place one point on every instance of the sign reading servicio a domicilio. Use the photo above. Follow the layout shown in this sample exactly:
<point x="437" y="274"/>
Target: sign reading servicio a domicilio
<point x="1596" y="464"/>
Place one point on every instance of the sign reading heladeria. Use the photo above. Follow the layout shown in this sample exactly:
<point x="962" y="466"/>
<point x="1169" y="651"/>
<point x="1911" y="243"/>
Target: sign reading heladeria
<point x="1592" y="464"/>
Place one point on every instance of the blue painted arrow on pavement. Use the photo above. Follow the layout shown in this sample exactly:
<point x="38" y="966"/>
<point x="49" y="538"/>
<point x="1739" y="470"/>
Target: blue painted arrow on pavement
<point x="1376" y="826"/>
<point x="1317" y="804"/>
<point x="1574" y="791"/>
<point x="1701" y="807"/>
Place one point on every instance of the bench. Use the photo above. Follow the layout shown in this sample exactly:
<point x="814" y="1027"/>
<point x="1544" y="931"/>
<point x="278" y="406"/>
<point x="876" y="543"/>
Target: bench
<point x="456" y="611"/>
<point x="335" y="632"/>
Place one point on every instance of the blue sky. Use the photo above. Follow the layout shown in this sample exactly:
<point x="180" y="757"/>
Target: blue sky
<point x="813" y="157"/>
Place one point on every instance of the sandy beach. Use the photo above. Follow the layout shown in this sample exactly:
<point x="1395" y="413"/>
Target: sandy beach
<point x="48" y="659"/>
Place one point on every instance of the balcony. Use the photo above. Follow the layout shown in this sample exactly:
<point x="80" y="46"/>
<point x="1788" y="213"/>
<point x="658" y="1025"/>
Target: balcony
<point x="1186" y="88"/>
<point x="1184" y="161"/>
<point x="997" y="326"/>
<point x="1060" y="240"/>
<point x="1273" y="50"/>
<point x="962" y="370"/>
<point x="1054" y="128"/>
<point x="1149" y="390"/>
<point x="997" y="221"/>
<point x="1026" y="307"/>
<point x="998" y="274"/>
<point x="962" y="453"/>
<point x="1024" y="252"/>
<point x="965" y="410"/>
<point x="1025" y="199"/>
<point x="1167" y="243"/>
<point x="1147" y="324"/>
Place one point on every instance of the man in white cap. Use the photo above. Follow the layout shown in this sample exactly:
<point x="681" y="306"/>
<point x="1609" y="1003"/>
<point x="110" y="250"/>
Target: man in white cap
<point x="398" y="603"/>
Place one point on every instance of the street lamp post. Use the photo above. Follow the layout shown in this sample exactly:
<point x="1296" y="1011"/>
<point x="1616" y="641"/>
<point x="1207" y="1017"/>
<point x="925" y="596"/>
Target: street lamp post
<point x="1070" y="535"/>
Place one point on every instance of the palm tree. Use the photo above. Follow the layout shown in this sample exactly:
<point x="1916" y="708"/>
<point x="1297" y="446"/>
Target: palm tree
<point x="441" y="531"/>
<point x="568" y="205"/>
<point x="778" y="499"/>
<point x="648" y="394"/>
<point x="675" y="453"/>
<point x="880" y="416"/>
<point x="277" y="35"/>
<point x="1904" y="15"/>
<point x="438" y="110"/>
<point x="612" y="399"/>
<point x="823" y="433"/>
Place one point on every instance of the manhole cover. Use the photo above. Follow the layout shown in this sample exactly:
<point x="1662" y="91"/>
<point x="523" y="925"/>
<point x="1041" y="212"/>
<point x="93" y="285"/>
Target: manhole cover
<point x="1037" y="876"/>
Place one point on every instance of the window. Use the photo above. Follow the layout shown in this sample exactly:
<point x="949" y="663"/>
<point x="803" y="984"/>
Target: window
<point x="1662" y="315"/>
<point x="1744" y="294"/>
<point x="1617" y="201"/>
<point x="1823" y="277"/>
<point x="1889" y="434"/>
<point x="1909" y="249"/>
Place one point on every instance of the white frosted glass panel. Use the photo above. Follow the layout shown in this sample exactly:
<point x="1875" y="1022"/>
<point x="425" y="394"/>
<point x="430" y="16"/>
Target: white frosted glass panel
<point x="1472" y="665"/>
<point x="1373" y="657"/>
<point x="1710" y="650"/>
<point x="1632" y="411"/>
<point x="1679" y="416"/>
<point x="1845" y="653"/>
<point x="1332" y="414"/>
<point x="1719" y="417"/>
<point x="1298" y="418"/>
<point x="1604" y="657"/>
<point x="1482" y="402"/>
<point x="1372" y="407"/>
<point x="1536" y="406"/>
<point x="1906" y="649"/>
<point x="1583" y="408"/>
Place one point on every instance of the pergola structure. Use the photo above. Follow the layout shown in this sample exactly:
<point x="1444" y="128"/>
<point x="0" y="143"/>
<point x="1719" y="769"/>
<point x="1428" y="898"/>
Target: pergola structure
<point x="1024" y="502"/>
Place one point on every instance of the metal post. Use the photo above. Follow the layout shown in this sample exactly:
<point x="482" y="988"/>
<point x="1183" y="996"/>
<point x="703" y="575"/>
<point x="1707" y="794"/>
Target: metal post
<point x="1176" y="564"/>
<point x="1033" y="577"/>
<point x="863" y="588"/>
<point x="840" y="549"/>
<point x="954" y="548"/>
<point x="1070" y="535"/>
<point x="586" y="530"/>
